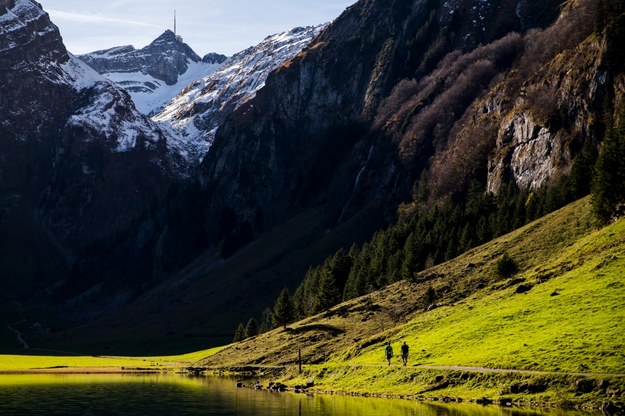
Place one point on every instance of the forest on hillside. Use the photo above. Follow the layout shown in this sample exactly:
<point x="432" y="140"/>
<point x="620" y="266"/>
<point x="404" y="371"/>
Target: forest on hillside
<point x="441" y="222"/>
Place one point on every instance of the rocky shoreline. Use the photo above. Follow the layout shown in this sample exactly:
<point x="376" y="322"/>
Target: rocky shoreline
<point x="603" y="395"/>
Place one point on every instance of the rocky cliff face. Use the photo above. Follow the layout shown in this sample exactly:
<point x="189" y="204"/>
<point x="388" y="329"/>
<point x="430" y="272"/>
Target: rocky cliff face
<point x="541" y="134"/>
<point x="77" y="160"/>
<point x="194" y="115"/>
<point x="311" y="134"/>
<point x="529" y="126"/>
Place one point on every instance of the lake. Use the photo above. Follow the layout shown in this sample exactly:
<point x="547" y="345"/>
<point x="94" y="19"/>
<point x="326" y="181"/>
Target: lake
<point x="154" y="395"/>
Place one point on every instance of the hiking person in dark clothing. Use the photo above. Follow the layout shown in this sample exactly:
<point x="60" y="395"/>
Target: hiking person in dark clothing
<point x="389" y="352"/>
<point x="404" y="352"/>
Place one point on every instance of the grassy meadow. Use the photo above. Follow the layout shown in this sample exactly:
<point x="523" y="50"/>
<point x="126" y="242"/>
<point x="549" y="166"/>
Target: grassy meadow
<point x="557" y="321"/>
<point x="29" y="363"/>
<point x="552" y="333"/>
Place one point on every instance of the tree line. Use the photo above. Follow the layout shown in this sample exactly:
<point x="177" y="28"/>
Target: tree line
<point x="434" y="234"/>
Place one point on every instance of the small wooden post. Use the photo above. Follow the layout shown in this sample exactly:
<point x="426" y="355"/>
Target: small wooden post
<point x="299" y="360"/>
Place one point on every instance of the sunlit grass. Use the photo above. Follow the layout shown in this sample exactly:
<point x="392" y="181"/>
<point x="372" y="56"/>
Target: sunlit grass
<point x="36" y="362"/>
<point x="568" y="326"/>
<point x="570" y="323"/>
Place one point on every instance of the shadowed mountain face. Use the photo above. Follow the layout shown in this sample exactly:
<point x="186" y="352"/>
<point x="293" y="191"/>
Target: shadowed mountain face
<point x="490" y="92"/>
<point x="317" y="133"/>
<point x="77" y="161"/>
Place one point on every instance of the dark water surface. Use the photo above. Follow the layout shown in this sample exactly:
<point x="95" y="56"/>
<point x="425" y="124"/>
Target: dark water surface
<point x="109" y="395"/>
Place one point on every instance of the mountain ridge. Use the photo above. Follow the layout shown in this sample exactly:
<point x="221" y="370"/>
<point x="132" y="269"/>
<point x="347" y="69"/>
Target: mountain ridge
<point x="392" y="107"/>
<point x="154" y="74"/>
<point x="64" y="153"/>
<point x="195" y="114"/>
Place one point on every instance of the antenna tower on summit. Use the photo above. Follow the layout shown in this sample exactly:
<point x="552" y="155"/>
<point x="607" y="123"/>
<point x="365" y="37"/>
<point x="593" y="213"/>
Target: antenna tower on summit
<point x="175" y="33"/>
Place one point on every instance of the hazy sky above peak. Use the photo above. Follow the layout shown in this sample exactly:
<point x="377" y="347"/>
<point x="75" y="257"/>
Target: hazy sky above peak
<point x="223" y="26"/>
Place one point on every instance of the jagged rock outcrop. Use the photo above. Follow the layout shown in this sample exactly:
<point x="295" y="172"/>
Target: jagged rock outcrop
<point x="541" y="134"/>
<point x="214" y="58"/>
<point x="202" y="106"/>
<point x="166" y="58"/>
<point x="153" y="75"/>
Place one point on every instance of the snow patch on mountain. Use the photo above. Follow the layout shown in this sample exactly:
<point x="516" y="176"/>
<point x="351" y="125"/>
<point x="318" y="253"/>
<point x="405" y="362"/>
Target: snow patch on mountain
<point x="151" y="94"/>
<point x="193" y="116"/>
<point x="79" y="74"/>
<point x="110" y="113"/>
<point x="156" y="73"/>
<point x="18" y="17"/>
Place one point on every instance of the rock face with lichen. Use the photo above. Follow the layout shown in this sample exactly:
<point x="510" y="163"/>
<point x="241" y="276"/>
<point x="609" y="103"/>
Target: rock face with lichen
<point x="559" y="109"/>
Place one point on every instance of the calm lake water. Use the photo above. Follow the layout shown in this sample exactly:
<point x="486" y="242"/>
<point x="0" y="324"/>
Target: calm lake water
<point x="155" y="395"/>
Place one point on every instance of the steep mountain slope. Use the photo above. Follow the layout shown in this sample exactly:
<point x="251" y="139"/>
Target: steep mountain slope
<point x="196" y="113"/>
<point x="309" y="138"/>
<point x="77" y="161"/>
<point x="339" y="135"/>
<point x="560" y="314"/>
<point x="155" y="74"/>
<point x="323" y="154"/>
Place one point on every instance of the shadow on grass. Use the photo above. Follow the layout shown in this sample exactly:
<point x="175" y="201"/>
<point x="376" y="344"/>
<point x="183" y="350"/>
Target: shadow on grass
<point x="332" y="330"/>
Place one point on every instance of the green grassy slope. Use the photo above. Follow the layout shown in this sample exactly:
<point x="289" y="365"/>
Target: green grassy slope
<point x="568" y="319"/>
<point x="560" y="339"/>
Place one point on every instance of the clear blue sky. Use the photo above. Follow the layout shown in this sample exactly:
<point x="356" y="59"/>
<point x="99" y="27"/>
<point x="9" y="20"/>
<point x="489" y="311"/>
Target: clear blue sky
<point x="223" y="26"/>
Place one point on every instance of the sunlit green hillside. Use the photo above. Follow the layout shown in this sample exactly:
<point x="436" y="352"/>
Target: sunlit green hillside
<point x="562" y="312"/>
<point x="553" y="326"/>
<point x="570" y="319"/>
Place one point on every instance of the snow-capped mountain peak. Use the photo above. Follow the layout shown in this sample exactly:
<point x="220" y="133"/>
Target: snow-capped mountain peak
<point x="154" y="74"/>
<point x="195" y="114"/>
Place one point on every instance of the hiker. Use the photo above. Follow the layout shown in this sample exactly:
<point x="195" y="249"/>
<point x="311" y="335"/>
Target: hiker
<point x="389" y="352"/>
<point x="404" y="353"/>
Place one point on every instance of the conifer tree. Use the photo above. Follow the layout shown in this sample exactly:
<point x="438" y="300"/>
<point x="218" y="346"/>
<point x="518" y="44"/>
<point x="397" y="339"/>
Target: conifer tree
<point x="340" y="265"/>
<point x="582" y="170"/>
<point x="266" y="321"/>
<point x="251" y="329"/>
<point x="411" y="262"/>
<point x="283" y="310"/>
<point x="328" y="293"/>
<point x="239" y="334"/>
<point x="608" y="188"/>
<point x="357" y="281"/>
